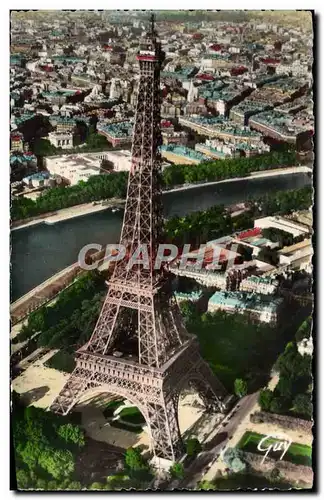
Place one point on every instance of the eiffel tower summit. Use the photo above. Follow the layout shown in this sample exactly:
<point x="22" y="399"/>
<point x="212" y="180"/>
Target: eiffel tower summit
<point x="140" y="318"/>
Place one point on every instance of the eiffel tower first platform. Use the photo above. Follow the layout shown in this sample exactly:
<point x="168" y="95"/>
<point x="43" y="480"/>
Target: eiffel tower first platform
<point x="140" y="318"/>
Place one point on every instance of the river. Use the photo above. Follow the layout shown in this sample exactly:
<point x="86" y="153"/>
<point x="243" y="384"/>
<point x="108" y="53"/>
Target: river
<point x="42" y="250"/>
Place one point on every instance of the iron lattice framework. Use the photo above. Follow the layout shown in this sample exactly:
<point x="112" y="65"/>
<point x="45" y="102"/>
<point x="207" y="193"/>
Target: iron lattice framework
<point x="140" y="317"/>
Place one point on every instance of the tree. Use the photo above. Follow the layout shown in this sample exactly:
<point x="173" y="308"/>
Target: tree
<point x="188" y="310"/>
<point x="265" y="398"/>
<point x="41" y="484"/>
<point x="120" y="481"/>
<point x="285" y="387"/>
<point x="193" y="447"/>
<point x="52" y="485"/>
<point x="134" y="459"/>
<point x="240" y="387"/>
<point x="74" y="485"/>
<point x="98" y="486"/>
<point x="277" y="405"/>
<point x="23" y="479"/>
<point x="245" y="252"/>
<point x="238" y="465"/>
<point x="269" y="255"/>
<point x="278" y="236"/>
<point x="58" y="463"/>
<point x="43" y="147"/>
<point x="304" y="330"/>
<point x="233" y="458"/>
<point x="177" y="470"/>
<point x="206" y="485"/>
<point x="71" y="434"/>
<point x="302" y="405"/>
<point x="30" y="453"/>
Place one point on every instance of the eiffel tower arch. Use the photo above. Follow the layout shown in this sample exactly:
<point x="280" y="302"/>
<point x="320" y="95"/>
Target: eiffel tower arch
<point x="139" y="348"/>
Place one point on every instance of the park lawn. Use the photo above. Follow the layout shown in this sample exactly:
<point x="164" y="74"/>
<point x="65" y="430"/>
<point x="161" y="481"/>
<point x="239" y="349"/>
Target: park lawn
<point x="299" y="454"/>
<point x="132" y="415"/>
<point x="111" y="407"/>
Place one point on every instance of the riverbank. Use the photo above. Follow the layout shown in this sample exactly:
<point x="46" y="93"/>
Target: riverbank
<point x="72" y="212"/>
<point x="252" y="175"/>
<point x="89" y="208"/>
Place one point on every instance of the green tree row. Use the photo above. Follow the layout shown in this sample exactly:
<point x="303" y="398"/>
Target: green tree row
<point x="45" y="445"/>
<point x="293" y="393"/>
<point x="225" y="169"/>
<point x="98" y="187"/>
<point x="46" y="449"/>
<point x="69" y="321"/>
<point x="114" y="185"/>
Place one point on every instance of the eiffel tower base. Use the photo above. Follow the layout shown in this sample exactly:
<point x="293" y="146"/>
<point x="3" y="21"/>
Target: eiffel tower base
<point x="161" y="465"/>
<point x="155" y="391"/>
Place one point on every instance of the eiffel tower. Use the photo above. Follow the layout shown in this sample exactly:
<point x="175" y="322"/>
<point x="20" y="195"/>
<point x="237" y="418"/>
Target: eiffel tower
<point x="140" y="349"/>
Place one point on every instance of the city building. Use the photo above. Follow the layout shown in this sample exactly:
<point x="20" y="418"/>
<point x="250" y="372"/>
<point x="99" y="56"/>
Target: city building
<point x="17" y="143"/>
<point x="297" y="256"/>
<point x="259" y="307"/>
<point x="75" y="167"/>
<point x="221" y="128"/>
<point x="120" y="160"/>
<point x="182" y="155"/>
<point x="171" y="137"/>
<point x="252" y="238"/>
<point x="57" y="96"/>
<point x="282" y="223"/>
<point x="282" y="127"/>
<point x="39" y="180"/>
<point x="62" y="124"/>
<point x="62" y="140"/>
<point x="220" y="150"/>
<point x="25" y="159"/>
<point x="117" y="133"/>
<point x="265" y="285"/>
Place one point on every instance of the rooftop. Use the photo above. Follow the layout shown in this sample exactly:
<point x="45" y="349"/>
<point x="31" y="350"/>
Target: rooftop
<point x="242" y="300"/>
<point x="21" y="158"/>
<point x="284" y="124"/>
<point x="62" y="119"/>
<point x="184" y="151"/>
<point x="223" y="125"/>
<point x="261" y="279"/>
<point x="24" y="117"/>
<point x="217" y="152"/>
<point x="120" y="129"/>
<point x="38" y="176"/>
<point x="181" y="74"/>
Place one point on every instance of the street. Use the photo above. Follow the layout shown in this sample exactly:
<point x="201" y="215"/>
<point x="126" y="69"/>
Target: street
<point x="213" y="448"/>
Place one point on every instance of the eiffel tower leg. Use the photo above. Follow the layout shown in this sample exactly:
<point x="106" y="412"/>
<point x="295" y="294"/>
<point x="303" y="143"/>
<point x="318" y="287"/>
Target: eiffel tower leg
<point x="208" y="387"/>
<point x="164" y="427"/>
<point x="191" y="369"/>
<point x="72" y="391"/>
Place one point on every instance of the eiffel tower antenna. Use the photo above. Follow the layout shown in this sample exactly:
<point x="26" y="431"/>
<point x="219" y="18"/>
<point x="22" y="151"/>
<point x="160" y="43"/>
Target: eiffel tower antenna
<point x="152" y="23"/>
<point x="140" y="349"/>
